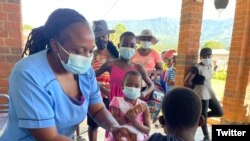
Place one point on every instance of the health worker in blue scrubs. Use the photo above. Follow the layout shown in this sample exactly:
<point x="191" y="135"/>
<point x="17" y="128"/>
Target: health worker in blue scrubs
<point x="53" y="88"/>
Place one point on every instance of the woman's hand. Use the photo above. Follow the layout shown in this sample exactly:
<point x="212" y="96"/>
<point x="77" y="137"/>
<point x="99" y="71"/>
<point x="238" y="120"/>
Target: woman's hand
<point x="119" y="133"/>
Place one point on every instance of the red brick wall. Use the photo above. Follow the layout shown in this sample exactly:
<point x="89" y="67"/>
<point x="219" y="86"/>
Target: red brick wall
<point x="238" y="67"/>
<point x="189" y="37"/>
<point x="10" y="39"/>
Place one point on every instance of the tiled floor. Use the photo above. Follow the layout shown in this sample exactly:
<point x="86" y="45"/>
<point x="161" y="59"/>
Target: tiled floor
<point x="84" y="126"/>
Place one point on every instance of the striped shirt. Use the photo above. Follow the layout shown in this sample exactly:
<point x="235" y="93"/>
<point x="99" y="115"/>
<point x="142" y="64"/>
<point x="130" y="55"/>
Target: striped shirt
<point x="171" y="74"/>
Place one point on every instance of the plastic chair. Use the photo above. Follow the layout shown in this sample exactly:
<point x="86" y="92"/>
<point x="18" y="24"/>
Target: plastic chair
<point x="4" y="110"/>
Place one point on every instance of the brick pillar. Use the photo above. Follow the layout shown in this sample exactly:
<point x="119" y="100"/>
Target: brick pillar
<point x="10" y="39"/>
<point x="189" y="37"/>
<point x="238" y="78"/>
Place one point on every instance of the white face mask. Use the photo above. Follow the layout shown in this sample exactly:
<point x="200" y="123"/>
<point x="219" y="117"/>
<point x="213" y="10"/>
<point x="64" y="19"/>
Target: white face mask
<point x="132" y="92"/>
<point x="76" y="64"/>
<point x="206" y="62"/>
<point x="145" y="44"/>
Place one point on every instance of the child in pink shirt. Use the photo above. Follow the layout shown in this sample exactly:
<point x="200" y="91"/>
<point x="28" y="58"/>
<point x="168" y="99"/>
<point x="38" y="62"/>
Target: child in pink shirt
<point x="130" y="111"/>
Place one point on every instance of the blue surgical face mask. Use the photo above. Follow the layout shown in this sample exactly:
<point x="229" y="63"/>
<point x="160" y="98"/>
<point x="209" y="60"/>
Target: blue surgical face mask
<point x="206" y="62"/>
<point x="131" y="92"/>
<point x="76" y="64"/>
<point x="127" y="53"/>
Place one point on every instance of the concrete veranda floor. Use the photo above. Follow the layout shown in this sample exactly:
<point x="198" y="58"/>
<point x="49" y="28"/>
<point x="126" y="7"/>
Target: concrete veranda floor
<point x="101" y="132"/>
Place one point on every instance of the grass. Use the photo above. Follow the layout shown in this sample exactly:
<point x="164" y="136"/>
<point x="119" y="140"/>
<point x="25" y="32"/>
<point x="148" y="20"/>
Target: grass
<point x="219" y="87"/>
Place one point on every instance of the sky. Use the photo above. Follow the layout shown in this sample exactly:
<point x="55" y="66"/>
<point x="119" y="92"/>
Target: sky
<point x="36" y="12"/>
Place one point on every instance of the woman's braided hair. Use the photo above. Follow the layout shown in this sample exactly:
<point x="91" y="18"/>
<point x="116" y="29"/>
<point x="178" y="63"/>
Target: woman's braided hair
<point x="39" y="38"/>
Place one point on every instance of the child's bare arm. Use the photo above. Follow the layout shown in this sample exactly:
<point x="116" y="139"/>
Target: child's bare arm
<point x="145" y="127"/>
<point x="116" y="114"/>
<point x="105" y="91"/>
<point x="103" y="68"/>
<point x="146" y="78"/>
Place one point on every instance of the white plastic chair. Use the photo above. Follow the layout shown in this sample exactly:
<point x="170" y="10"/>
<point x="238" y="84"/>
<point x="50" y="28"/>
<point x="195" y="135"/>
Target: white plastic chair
<point x="4" y="109"/>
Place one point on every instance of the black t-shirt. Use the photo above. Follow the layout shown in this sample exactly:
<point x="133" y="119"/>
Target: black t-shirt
<point x="160" y="137"/>
<point x="198" y="79"/>
<point x="194" y="70"/>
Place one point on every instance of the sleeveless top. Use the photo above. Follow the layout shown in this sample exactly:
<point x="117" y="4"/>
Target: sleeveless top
<point x="116" y="78"/>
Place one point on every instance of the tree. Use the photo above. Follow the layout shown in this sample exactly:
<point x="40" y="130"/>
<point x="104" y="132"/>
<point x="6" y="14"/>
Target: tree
<point x="214" y="45"/>
<point x="27" y="27"/>
<point x="119" y="29"/>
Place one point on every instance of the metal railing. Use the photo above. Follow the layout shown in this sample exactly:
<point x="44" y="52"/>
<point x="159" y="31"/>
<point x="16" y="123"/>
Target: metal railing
<point x="4" y="109"/>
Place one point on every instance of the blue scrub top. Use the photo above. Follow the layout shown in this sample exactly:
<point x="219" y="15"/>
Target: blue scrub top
<point x="38" y="101"/>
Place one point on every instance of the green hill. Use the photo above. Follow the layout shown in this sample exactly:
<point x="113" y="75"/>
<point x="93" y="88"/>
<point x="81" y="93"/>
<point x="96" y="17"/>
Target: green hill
<point x="167" y="30"/>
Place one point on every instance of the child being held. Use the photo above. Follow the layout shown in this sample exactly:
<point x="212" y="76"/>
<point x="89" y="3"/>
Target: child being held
<point x="130" y="111"/>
